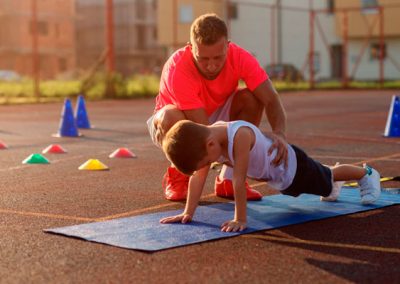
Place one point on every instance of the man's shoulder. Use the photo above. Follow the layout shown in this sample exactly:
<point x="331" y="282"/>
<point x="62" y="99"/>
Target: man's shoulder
<point x="237" y="49"/>
<point x="238" y="54"/>
<point x="179" y="62"/>
<point x="180" y="56"/>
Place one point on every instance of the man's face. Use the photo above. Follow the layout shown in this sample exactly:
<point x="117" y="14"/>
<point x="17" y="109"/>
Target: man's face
<point x="210" y="59"/>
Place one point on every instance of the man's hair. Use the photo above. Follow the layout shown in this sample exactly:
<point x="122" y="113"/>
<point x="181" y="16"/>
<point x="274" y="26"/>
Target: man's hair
<point x="208" y="29"/>
<point x="185" y="145"/>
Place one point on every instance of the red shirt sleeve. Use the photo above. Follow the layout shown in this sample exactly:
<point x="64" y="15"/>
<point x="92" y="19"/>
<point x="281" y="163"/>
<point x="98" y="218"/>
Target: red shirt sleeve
<point x="179" y="84"/>
<point x="185" y="90"/>
<point x="250" y="70"/>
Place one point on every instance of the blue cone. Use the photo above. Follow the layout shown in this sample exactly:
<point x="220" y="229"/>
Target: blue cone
<point x="392" y="128"/>
<point x="82" y="119"/>
<point x="67" y="124"/>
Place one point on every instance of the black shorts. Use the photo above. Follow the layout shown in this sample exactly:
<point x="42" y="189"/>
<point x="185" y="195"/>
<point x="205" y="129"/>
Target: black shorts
<point x="311" y="177"/>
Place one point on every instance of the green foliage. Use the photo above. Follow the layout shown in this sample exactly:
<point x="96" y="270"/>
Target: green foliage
<point x="101" y="86"/>
<point x="98" y="87"/>
<point x="142" y="86"/>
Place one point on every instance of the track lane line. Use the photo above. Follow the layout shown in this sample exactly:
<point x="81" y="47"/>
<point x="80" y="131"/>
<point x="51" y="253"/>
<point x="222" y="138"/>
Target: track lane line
<point x="325" y="244"/>
<point x="48" y="215"/>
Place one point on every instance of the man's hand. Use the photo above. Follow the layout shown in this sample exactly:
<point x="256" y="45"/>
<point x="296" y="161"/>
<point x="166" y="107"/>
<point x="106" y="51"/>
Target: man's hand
<point x="183" y="218"/>
<point x="233" y="226"/>
<point x="159" y="135"/>
<point x="278" y="143"/>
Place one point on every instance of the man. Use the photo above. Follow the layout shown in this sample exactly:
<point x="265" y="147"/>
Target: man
<point x="199" y="82"/>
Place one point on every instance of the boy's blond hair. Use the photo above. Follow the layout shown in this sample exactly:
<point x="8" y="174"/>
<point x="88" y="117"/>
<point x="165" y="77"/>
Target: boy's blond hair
<point x="208" y="29"/>
<point x="185" y="145"/>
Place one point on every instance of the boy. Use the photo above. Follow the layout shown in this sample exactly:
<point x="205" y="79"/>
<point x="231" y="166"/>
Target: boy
<point x="192" y="147"/>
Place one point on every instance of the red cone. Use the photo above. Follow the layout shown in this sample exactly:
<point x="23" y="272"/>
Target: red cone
<point x="3" y="146"/>
<point x="122" y="153"/>
<point x="54" y="149"/>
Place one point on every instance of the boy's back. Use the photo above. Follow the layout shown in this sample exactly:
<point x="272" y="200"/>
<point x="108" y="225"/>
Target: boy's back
<point x="260" y="163"/>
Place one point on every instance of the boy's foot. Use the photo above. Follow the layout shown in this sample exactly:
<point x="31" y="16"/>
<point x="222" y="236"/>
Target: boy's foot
<point x="175" y="184"/>
<point x="336" y="187"/>
<point x="370" y="186"/>
<point x="224" y="188"/>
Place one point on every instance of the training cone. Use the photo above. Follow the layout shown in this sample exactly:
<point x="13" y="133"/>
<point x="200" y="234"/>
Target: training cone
<point x="93" y="165"/>
<point x="36" y="159"/>
<point x="3" y="146"/>
<point x="54" y="149"/>
<point x="122" y="153"/>
<point x="67" y="123"/>
<point x="392" y="128"/>
<point x="81" y="116"/>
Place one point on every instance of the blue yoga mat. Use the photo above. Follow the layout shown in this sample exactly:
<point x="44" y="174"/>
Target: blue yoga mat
<point x="145" y="233"/>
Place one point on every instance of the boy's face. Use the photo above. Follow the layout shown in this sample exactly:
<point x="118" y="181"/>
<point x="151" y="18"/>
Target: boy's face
<point x="210" y="59"/>
<point x="214" y="151"/>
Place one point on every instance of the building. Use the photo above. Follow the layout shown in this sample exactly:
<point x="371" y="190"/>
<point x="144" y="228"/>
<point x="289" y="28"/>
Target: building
<point x="365" y="29"/>
<point x="135" y="35"/>
<point x="279" y="32"/>
<point x="175" y="17"/>
<point x="55" y="41"/>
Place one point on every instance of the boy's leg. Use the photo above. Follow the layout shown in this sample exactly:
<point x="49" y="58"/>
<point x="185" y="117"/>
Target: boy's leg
<point x="336" y="187"/>
<point x="175" y="184"/>
<point x="367" y="177"/>
<point x="370" y="186"/>
<point x="311" y="177"/>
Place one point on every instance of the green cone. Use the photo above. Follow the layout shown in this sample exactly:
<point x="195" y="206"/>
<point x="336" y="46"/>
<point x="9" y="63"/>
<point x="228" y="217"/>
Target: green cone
<point x="36" y="159"/>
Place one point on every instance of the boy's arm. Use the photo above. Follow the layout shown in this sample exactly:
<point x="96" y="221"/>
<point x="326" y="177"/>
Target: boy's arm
<point x="241" y="150"/>
<point x="196" y="185"/>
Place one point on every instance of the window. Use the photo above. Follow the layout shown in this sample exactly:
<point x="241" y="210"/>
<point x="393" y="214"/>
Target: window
<point x="62" y="64"/>
<point x="331" y="6"/>
<point x="141" y="37"/>
<point x="232" y="11"/>
<point x="316" y="61"/>
<point x="375" y="51"/>
<point x="57" y="30"/>
<point x="185" y="14"/>
<point x="42" y="28"/>
<point x="369" y="6"/>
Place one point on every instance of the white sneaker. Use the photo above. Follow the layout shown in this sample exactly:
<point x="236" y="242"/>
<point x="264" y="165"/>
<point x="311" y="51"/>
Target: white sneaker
<point x="370" y="186"/>
<point x="336" y="187"/>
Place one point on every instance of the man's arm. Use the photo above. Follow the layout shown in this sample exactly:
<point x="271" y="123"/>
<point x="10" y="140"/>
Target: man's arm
<point x="276" y="115"/>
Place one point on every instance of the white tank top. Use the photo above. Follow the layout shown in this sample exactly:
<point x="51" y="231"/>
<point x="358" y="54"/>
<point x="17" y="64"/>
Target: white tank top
<point x="259" y="161"/>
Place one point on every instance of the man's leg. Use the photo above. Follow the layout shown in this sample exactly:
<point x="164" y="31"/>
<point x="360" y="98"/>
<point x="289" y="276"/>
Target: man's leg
<point x="244" y="106"/>
<point x="175" y="184"/>
<point x="164" y="119"/>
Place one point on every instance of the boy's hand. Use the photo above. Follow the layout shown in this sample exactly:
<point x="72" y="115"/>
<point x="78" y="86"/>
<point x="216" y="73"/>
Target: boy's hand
<point x="233" y="226"/>
<point x="183" y="218"/>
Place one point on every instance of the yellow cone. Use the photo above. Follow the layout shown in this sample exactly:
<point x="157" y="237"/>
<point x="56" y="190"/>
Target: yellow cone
<point x="93" y="165"/>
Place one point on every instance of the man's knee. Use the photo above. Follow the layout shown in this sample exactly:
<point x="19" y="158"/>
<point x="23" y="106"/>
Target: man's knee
<point x="246" y="106"/>
<point x="248" y="100"/>
<point x="167" y="117"/>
